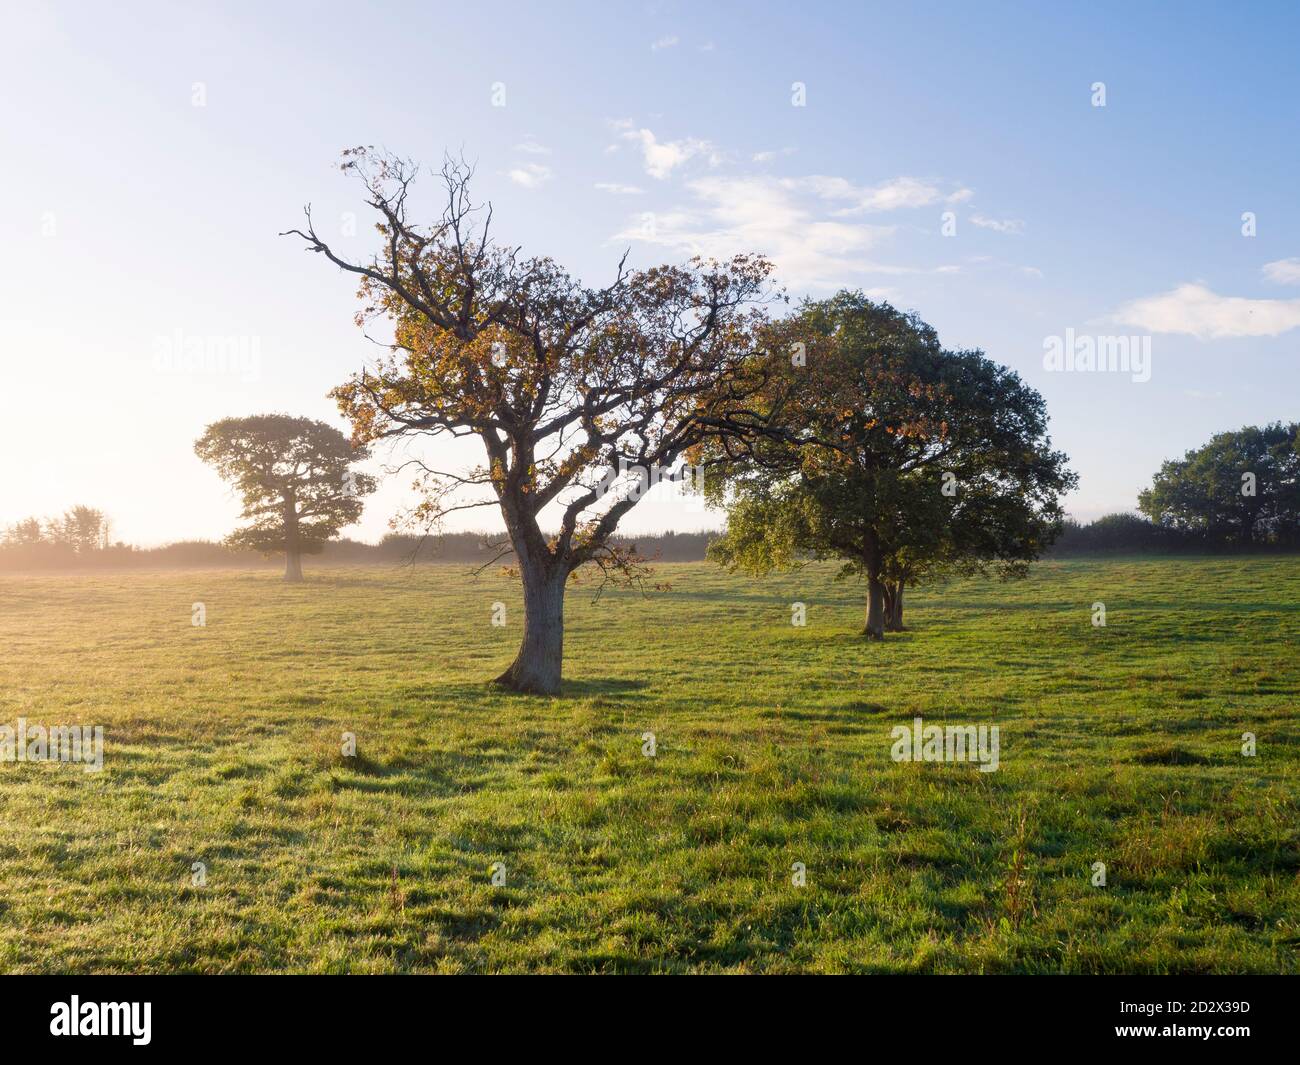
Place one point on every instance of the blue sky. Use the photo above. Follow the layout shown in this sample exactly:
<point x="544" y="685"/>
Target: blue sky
<point x="154" y="151"/>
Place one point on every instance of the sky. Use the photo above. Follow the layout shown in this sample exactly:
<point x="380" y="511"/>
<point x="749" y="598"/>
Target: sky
<point x="1023" y="176"/>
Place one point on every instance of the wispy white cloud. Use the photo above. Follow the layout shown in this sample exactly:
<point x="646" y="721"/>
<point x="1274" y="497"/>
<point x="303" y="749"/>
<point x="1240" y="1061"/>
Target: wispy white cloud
<point x="532" y="147"/>
<point x="783" y="219"/>
<point x="663" y="157"/>
<point x="664" y="42"/>
<point x="998" y="225"/>
<point x="813" y="227"/>
<point x="530" y="175"/>
<point x="1283" y="271"/>
<point x="619" y="190"/>
<point x="1194" y="310"/>
<point x="892" y="195"/>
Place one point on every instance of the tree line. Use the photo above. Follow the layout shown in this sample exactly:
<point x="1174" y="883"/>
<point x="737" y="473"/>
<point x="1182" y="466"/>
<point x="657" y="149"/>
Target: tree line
<point x="24" y="545"/>
<point x="79" y="533"/>
<point x="18" y="552"/>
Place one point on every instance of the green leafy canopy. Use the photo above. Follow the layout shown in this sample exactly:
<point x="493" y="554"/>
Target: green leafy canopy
<point x="922" y="458"/>
<point x="295" y="477"/>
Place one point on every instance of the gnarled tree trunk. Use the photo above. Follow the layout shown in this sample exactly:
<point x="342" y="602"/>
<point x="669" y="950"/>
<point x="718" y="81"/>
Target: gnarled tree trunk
<point x="292" y="565"/>
<point x="536" y="668"/>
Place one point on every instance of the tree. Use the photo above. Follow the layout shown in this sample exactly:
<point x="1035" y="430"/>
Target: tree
<point x="296" y="479"/>
<point x="81" y="528"/>
<point x="922" y="460"/>
<point x="1241" y="488"/>
<point x="24" y="533"/>
<point x="578" y="395"/>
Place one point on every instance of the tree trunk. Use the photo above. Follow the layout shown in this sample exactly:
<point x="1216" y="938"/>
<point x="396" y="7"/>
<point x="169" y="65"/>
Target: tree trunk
<point x="894" y="615"/>
<point x="536" y="668"/>
<point x="875" y="629"/>
<point x="292" y="544"/>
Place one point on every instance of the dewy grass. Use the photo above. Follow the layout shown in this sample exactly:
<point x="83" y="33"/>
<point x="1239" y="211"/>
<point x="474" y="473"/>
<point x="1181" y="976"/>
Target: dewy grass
<point x="770" y="830"/>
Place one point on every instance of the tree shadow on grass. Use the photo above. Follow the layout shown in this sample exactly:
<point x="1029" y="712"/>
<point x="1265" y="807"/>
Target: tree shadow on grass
<point x="486" y="694"/>
<point x="587" y="687"/>
<point x="1144" y="606"/>
<point x="857" y="710"/>
<point x="728" y="595"/>
<point x="855" y="638"/>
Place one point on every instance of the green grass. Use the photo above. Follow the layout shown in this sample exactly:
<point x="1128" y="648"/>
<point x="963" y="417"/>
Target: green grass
<point x="1118" y="744"/>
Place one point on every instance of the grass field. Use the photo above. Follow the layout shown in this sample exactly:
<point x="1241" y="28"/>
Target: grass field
<point x="1119" y="744"/>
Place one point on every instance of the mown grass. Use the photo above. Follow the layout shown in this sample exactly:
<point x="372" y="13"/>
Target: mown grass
<point x="1119" y="744"/>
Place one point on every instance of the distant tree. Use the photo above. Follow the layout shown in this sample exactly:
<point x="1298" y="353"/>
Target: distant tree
<point x="925" y="460"/>
<point x="1241" y="488"/>
<point x="576" y="394"/>
<point x="24" y="533"/>
<point x="81" y="528"/>
<point x="296" y="479"/>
